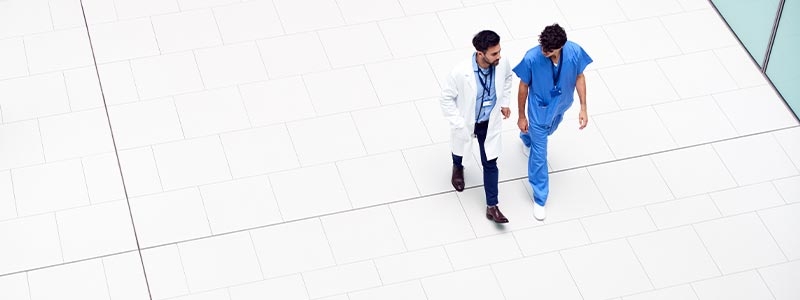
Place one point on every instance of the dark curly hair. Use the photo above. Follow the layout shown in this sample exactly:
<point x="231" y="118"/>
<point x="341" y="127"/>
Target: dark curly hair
<point x="552" y="37"/>
<point x="485" y="39"/>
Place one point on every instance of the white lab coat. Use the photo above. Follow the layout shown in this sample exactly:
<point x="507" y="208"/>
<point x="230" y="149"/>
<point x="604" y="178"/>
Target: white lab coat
<point x="458" y="105"/>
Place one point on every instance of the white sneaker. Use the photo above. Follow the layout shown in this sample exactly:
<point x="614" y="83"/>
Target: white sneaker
<point x="539" y="212"/>
<point x="526" y="150"/>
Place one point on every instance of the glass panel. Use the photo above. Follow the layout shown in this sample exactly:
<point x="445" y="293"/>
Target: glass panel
<point x="784" y="63"/>
<point x="752" y="21"/>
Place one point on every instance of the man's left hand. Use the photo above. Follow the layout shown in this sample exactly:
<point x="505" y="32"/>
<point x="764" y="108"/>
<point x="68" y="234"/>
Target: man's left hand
<point x="506" y="112"/>
<point x="583" y="119"/>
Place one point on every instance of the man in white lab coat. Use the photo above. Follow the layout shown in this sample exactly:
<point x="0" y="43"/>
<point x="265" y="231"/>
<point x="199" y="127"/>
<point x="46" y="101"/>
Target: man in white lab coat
<point x="475" y="100"/>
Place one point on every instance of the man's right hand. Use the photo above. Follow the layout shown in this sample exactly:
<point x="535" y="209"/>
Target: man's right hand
<point x="522" y="123"/>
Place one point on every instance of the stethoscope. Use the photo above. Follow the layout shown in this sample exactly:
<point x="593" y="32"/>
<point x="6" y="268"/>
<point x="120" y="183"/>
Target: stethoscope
<point x="485" y="81"/>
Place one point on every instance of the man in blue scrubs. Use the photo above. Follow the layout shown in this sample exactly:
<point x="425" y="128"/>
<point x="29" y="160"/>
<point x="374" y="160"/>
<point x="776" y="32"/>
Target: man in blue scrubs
<point x="549" y="74"/>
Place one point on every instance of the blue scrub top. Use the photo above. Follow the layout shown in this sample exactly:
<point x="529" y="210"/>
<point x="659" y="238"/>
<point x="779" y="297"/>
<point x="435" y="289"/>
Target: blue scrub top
<point x="537" y="71"/>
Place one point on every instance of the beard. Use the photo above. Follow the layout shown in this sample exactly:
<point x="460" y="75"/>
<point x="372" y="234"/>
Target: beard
<point x="491" y="63"/>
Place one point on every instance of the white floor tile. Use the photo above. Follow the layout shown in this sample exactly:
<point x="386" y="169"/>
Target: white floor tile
<point x="118" y="83"/>
<point x="781" y="223"/>
<point x="34" y="96"/>
<point x="683" y="211"/>
<point x="103" y="178"/>
<point x="163" y="124"/>
<point x="139" y="172"/>
<point x="66" y="14"/>
<point x="310" y="191"/>
<point x="741" y="200"/>
<point x="691" y="37"/>
<point x="630" y="183"/>
<point x="240" y="204"/>
<point x="431" y="221"/>
<point x="74" y="135"/>
<point x="562" y="152"/>
<point x="219" y="261"/>
<point x="58" y="50"/>
<point x="13" y="58"/>
<point x="514" y="201"/>
<point x="32" y="242"/>
<point x="95" y="230"/>
<point x="599" y="100"/>
<point x="99" y="11"/>
<point x="693" y="171"/>
<point x="296" y="17"/>
<point x="288" y="288"/>
<point x="606" y="270"/>
<point x="413" y="265"/>
<point x="697" y="74"/>
<point x="790" y="142"/>
<point x="230" y="65"/>
<point x="618" y="224"/>
<point x="528" y="18"/>
<point x="307" y="55"/>
<point x="212" y="295"/>
<point x="259" y="151"/>
<point x="361" y="11"/>
<point x="694" y="4"/>
<point x="15" y="287"/>
<point x="772" y="162"/>
<point x="463" y="24"/>
<point x="8" y="206"/>
<point x="442" y="63"/>
<point x="739" y="243"/>
<point x="641" y="40"/>
<point x="644" y="9"/>
<point x="548" y="272"/>
<point x="125" y="277"/>
<point x="599" y="47"/>
<point x="169" y="217"/>
<point x="191" y="162"/>
<point x="684" y="292"/>
<point x="165" y="275"/>
<point x="21" y="18"/>
<point x="338" y="43"/>
<point x="411" y="290"/>
<point x="769" y="114"/>
<point x="567" y="202"/>
<point x="391" y="128"/>
<point x="789" y="189"/>
<point x="351" y="241"/>
<point x="781" y="280"/>
<point x="469" y="284"/>
<point x="326" y="139"/>
<point x="695" y="121"/>
<point x="186" y="31"/>
<point x="655" y="90"/>
<point x="512" y="162"/>
<point x="341" y="90"/>
<point x="744" y="71"/>
<point x="292" y="247"/>
<point x="166" y="75"/>
<point x="431" y="113"/>
<point x="211" y="112"/>
<point x="22" y="144"/>
<point x="365" y="188"/>
<point x="83" y="280"/>
<point x="66" y="187"/>
<point x="248" y="21"/>
<point x="551" y="237"/>
<point x="582" y="14"/>
<point x="122" y="40"/>
<point x="83" y="88"/>
<point x="403" y="80"/>
<point x="413" y="7"/>
<point x="483" y="251"/>
<point x="267" y="102"/>
<point x="740" y="286"/>
<point x="196" y="4"/>
<point x="431" y="37"/>
<point x="673" y="257"/>
<point x="132" y="8"/>
<point x="432" y="168"/>
<point x="341" y="279"/>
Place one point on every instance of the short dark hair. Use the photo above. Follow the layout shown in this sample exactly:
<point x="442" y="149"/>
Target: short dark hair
<point x="552" y="37"/>
<point x="485" y="39"/>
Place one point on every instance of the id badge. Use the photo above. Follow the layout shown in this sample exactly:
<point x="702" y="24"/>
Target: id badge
<point x="487" y="103"/>
<point x="555" y="92"/>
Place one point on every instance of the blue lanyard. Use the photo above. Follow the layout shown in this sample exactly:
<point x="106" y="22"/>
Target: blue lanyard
<point x="486" y="84"/>
<point x="556" y="75"/>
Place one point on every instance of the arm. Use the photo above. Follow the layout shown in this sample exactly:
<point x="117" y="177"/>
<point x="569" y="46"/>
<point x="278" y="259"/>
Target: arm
<point x="449" y="104"/>
<point x="522" y="99"/>
<point x="508" y="82"/>
<point x="580" y="86"/>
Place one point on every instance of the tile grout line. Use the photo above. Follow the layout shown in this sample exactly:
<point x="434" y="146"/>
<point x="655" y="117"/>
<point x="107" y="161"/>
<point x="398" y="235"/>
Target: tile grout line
<point x="797" y="167"/>
<point x="705" y="247"/>
<point x="774" y="240"/>
<point x="58" y="235"/>
<point x="158" y="174"/>
<point x="66" y="90"/>
<point x="183" y="270"/>
<point x="13" y="193"/>
<point x="641" y="265"/>
<point x="116" y="152"/>
<point x="105" y="275"/>
<point x="761" y="276"/>
<point x="205" y="211"/>
<point x="255" y="251"/>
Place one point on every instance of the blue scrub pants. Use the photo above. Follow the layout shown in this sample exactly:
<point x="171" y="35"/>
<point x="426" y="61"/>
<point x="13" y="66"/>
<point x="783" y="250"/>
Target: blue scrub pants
<point x="536" y="139"/>
<point x="491" y="174"/>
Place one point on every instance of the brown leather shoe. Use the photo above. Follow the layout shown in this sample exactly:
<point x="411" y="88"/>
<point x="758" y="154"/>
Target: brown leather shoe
<point x="493" y="213"/>
<point x="458" y="178"/>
